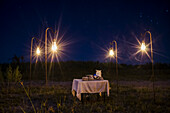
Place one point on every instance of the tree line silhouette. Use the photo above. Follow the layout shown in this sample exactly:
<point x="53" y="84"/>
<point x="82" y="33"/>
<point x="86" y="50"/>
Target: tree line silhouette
<point x="68" y="70"/>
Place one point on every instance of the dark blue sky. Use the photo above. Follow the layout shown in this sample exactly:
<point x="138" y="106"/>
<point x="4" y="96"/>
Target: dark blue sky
<point x="88" y="24"/>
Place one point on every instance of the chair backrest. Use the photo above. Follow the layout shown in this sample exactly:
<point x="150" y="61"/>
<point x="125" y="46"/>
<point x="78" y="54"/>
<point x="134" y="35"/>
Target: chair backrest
<point x="99" y="73"/>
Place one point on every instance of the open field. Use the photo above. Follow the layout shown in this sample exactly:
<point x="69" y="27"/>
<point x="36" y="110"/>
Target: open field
<point x="133" y="96"/>
<point x="67" y="71"/>
<point x="135" y="88"/>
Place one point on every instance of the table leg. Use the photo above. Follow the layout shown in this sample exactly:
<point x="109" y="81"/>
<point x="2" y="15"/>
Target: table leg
<point x="104" y="97"/>
<point x="98" y="96"/>
<point x="75" y="94"/>
<point x="82" y="100"/>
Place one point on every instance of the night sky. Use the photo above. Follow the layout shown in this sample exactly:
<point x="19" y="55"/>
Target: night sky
<point x="89" y="26"/>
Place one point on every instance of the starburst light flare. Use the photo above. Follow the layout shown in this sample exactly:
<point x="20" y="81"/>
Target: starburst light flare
<point x="143" y="47"/>
<point x="54" y="46"/>
<point x="38" y="51"/>
<point x="111" y="53"/>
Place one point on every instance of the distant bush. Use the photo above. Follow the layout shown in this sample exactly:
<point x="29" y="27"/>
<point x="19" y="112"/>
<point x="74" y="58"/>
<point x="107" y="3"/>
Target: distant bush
<point x="1" y="76"/>
<point x="68" y="70"/>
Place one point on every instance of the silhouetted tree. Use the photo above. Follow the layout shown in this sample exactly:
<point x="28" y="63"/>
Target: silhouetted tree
<point x="16" y="60"/>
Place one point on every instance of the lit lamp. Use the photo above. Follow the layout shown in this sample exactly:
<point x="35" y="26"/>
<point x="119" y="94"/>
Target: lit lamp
<point x="38" y="51"/>
<point x="143" y="48"/>
<point x="112" y="54"/>
<point x="54" y="46"/>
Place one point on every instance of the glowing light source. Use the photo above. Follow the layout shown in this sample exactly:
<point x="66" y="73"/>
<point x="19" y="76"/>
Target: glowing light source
<point x="111" y="53"/>
<point x="54" y="46"/>
<point x="38" y="51"/>
<point x="143" y="47"/>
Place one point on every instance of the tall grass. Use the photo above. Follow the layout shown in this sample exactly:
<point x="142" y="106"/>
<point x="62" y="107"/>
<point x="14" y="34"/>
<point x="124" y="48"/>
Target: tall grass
<point x="58" y="98"/>
<point x="28" y="97"/>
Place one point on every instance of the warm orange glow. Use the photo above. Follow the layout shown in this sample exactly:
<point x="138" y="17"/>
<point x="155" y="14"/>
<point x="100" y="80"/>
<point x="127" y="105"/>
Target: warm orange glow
<point x="111" y="53"/>
<point x="54" y="47"/>
<point x="38" y="51"/>
<point x="143" y="47"/>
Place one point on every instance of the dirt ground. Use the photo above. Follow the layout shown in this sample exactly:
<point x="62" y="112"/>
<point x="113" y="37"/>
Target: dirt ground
<point x="122" y="83"/>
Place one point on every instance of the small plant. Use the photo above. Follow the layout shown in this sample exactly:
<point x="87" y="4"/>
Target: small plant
<point x="109" y="108"/>
<point x="22" y="109"/>
<point x="51" y="109"/>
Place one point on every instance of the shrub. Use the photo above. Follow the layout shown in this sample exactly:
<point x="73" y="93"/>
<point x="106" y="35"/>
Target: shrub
<point x="9" y="74"/>
<point x="17" y="75"/>
<point x="1" y="77"/>
<point x="13" y="76"/>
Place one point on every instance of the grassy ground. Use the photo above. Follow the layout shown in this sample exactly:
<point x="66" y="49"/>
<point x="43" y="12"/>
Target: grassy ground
<point x="57" y="97"/>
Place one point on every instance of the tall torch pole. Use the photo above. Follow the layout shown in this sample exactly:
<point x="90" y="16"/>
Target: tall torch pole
<point x="31" y="59"/>
<point x="46" y="55"/>
<point x="153" y="77"/>
<point x="111" y="54"/>
<point x="116" y="65"/>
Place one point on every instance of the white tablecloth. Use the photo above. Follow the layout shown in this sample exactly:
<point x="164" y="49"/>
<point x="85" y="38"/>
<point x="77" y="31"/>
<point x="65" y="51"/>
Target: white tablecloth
<point x="95" y="86"/>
